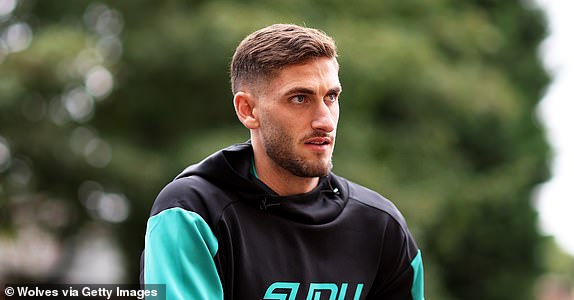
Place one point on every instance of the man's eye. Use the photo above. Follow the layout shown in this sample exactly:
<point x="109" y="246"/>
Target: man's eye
<point x="331" y="97"/>
<point x="299" y="99"/>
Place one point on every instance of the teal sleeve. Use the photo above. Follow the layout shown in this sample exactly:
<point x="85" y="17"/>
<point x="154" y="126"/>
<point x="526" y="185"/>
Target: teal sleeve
<point x="179" y="251"/>
<point x="418" y="287"/>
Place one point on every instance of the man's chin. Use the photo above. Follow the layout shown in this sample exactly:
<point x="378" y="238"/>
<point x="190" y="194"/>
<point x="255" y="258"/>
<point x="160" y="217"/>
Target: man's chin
<point x="312" y="170"/>
<point x="304" y="165"/>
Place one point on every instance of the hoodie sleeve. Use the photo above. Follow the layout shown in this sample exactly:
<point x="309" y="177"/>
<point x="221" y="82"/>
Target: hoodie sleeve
<point x="401" y="274"/>
<point x="417" y="289"/>
<point x="400" y="266"/>
<point x="179" y="252"/>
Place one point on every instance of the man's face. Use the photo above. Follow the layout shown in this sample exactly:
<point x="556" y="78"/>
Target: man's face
<point x="298" y="115"/>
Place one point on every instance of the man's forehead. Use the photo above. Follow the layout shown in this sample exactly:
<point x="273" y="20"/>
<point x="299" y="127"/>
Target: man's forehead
<point x="292" y="75"/>
<point x="324" y="71"/>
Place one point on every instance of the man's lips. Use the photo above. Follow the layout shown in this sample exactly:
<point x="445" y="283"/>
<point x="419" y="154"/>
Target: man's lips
<point x="320" y="144"/>
<point x="319" y="141"/>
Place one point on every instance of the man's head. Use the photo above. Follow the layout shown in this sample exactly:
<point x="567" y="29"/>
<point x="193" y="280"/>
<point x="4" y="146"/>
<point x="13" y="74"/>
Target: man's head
<point x="261" y="54"/>
<point x="286" y="87"/>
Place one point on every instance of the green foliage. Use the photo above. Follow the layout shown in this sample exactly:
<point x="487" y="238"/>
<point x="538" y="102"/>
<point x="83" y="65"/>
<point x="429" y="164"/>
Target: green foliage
<point x="437" y="114"/>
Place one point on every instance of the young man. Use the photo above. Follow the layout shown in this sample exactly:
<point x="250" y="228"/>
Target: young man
<point x="267" y="219"/>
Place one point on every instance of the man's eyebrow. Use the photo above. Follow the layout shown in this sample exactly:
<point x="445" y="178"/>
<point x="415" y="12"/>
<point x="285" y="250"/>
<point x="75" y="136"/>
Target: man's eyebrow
<point x="300" y="90"/>
<point x="335" y="90"/>
<point x="307" y="91"/>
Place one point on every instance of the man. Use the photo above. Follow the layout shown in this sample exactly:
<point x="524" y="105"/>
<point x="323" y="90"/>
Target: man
<point x="267" y="219"/>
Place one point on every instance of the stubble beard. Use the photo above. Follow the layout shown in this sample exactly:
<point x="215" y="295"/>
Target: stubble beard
<point x="278" y="146"/>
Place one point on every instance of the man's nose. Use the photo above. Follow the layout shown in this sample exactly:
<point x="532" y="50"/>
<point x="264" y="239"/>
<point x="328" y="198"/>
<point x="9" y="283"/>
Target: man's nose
<point x="324" y="119"/>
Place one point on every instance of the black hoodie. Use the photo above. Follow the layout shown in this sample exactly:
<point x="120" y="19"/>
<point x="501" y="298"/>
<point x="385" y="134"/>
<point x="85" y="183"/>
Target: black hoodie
<point x="217" y="232"/>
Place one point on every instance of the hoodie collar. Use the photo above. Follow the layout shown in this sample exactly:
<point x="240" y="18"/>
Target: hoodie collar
<point x="229" y="169"/>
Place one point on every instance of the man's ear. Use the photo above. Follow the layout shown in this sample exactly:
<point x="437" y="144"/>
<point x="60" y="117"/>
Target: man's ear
<point x="244" y="104"/>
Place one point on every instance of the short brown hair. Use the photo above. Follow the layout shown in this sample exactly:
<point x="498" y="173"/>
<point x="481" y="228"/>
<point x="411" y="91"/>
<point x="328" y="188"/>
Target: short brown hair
<point x="269" y="49"/>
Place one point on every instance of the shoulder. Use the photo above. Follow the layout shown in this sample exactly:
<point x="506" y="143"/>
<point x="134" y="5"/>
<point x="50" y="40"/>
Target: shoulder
<point x="179" y="193"/>
<point x="373" y="201"/>
<point x="194" y="194"/>
<point x="381" y="213"/>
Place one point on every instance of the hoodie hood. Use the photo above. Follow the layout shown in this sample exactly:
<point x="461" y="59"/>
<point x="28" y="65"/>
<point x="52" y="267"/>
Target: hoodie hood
<point x="229" y="169"/>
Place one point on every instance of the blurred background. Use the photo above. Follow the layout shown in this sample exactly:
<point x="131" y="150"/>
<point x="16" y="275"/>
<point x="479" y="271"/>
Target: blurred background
<point x="104" y="102"/>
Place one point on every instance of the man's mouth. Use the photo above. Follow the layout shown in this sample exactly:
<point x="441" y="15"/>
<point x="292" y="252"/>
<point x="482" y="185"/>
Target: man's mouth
<point x="318" y="141"/>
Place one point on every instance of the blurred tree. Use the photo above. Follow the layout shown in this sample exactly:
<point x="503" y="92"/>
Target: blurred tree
<point x="102" y="103"/>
